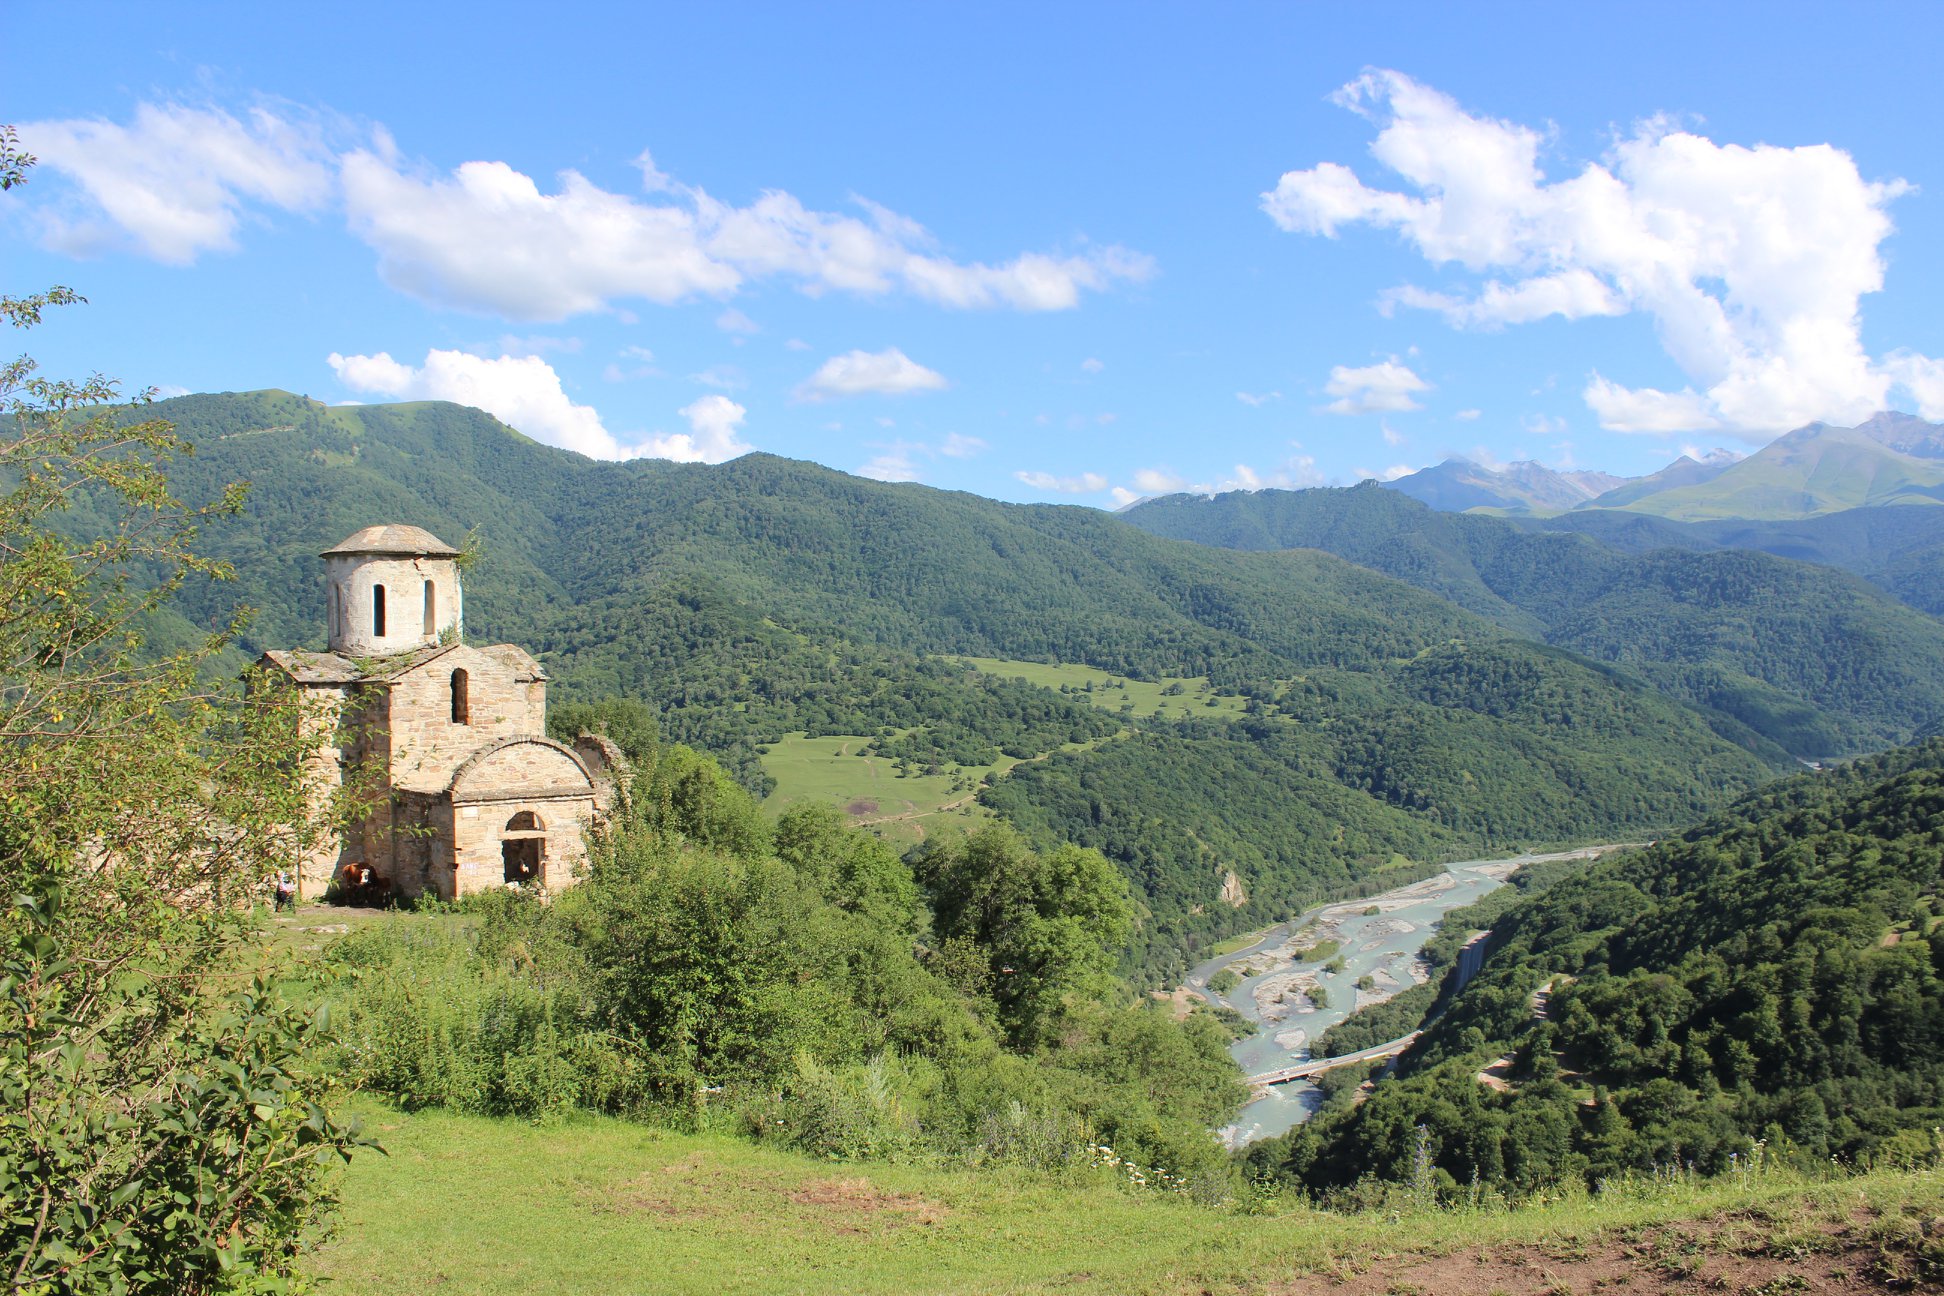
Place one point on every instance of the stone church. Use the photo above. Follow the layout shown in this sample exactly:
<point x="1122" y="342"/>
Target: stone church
<point x="444" y="741"/>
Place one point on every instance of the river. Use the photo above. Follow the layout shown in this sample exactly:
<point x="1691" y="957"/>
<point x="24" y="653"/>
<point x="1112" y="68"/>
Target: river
<point x="1379" y="937"/>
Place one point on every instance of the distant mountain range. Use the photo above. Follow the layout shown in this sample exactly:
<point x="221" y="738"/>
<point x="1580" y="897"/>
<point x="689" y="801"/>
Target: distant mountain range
<point x="1815" y="470"/>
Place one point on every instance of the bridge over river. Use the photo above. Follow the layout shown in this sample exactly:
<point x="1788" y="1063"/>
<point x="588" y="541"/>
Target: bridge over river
<point x="1316" y="1067"/>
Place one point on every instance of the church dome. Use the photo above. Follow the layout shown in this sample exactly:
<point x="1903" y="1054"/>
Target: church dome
<point x="392" y="539"/>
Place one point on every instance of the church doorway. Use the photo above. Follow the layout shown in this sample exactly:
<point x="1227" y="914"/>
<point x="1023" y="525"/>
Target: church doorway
<point x="523" y="849"/>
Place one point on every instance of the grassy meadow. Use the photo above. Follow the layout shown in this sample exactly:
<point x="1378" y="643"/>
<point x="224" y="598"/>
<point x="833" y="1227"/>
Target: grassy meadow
<point x="1111" y="692"/>
<point x="592" y="1205"/>
<point x="902" y="808"/>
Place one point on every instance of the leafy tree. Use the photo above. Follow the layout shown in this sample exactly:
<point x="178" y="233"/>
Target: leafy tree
<point x="162" y="1126"/>
<point x="1048" y="925"/>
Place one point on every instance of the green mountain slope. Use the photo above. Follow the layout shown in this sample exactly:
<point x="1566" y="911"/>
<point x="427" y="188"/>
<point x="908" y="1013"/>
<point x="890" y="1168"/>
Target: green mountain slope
<point x="1899" y="548"/>
<point x="1889" y="459"/>
<point x="1809" y="658"/>
<point x="1773" y="974"/>
<point x="763" y="597"/>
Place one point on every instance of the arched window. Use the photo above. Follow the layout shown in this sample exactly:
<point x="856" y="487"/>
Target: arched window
<point x="431" y="610"/>
<point x="461" y="701"/>
<point x="378" y="611"/>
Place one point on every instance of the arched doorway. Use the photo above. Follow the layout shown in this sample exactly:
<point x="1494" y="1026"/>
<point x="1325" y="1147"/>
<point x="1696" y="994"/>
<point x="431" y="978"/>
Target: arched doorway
<point x="523" y="849"/>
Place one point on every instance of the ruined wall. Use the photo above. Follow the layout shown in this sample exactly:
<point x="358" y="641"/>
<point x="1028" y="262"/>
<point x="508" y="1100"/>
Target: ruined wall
<point x="476" y="839"/>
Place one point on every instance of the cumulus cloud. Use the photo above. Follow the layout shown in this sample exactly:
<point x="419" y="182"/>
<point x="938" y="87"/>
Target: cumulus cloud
<point x="525" y="393"/>
<point x="175" y="182"/>
<point x="487" y="237"/>
<point x="1256" y="400"/>
<point x="1923" y="378"/>
<point x="855" y="373"/>
<point x="1158" y="481"/>
<point x="1467" y="415"/>
<point x="714" y="434"/>
<point x="1749" y="260"/>
<point x="1294" y="473"/>
<point x="1384" y="388"/>
<point x="1086" y="483"/>
<point x="894" y="463"/>
<point x="734" y="321"/>
<point x="1091" y="365"/>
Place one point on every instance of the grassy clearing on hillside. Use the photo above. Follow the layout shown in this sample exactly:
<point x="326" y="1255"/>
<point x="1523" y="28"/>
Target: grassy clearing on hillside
<point x="1110" y="692"/>
<point x="470" y="1204"/>
<point x="830" y="771"/>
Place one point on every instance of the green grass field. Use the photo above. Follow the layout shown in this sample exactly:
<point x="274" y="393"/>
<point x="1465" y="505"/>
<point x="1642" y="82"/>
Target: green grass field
<point x="868" y="789"/>
<point x="1111" y="692"/>
<point x="468" y="1204"/>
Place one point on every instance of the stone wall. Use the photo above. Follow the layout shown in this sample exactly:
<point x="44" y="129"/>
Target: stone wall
<point x="426" y="746"/>
<point x="349" y="580"/>
<point x="476" y="838"/>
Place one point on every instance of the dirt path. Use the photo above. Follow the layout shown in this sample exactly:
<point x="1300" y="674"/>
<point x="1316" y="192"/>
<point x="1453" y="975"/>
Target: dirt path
<point x="1746" y="1253"/>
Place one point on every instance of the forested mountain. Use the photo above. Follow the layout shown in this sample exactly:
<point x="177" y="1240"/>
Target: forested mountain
<point x="760" y="597"/>
<point x="1899" y="548"/>
<point x="1810" y="658"/>
<point x="1774" y="974"/>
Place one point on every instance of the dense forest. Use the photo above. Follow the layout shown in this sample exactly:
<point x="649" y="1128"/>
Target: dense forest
<point x="762" y="597"/>
<point x="1812" y="659"/>
<point x="1771" y="979"/>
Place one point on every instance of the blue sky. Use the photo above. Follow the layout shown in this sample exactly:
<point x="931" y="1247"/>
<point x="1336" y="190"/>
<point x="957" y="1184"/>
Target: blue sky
<point x="1075" y="253"/>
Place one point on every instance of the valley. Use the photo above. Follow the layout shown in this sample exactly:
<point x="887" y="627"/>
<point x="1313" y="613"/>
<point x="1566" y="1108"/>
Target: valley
<point x="1255" y="650"/>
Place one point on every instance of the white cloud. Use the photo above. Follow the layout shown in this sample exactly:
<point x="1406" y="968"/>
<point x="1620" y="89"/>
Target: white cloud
<point x="1295" y="473"/>
<point x="1084" y="484"/>
<point x="958" y="446"/>
<point x="895" y="463"/>
<point x="1091" y="365"/>
<point x="855" y="373"/>
<point x="1122" y="496"/>
<point x="1256" y="400"/>
<point x="1922" y="377"/>
<point x="1642" y="409"/>
<point x="734" y="321"/>
<point x="1384" y="388"/>
<point x="177" y="181"/>
<point x="525" y="393"/>
<point x="1158" y="481"/>
<point x="1750" y="260"/>
<point x="1392" y="437"/>
<point x="487" y="238"/>
<point x="1467" y="415"/>
<point x="714" y="434"/>
<point x="1391" y="473"/>
<point x="797" y="344"/>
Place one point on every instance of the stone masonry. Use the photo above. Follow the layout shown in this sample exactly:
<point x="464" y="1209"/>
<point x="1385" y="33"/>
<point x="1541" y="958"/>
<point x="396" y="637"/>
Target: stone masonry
<point x="443" y="744"/>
